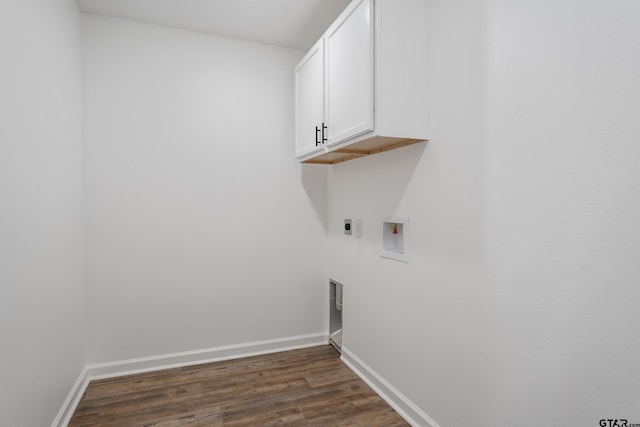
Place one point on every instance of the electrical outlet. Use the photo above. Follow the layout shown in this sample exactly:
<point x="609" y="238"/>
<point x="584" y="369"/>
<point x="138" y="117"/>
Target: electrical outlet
<point x="347" y="226"/>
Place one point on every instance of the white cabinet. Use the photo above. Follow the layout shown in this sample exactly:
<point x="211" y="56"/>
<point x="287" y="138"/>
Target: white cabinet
<point x="310" y="102"/>
<point x="363" y="85"/>
<point x="349" y="74"/>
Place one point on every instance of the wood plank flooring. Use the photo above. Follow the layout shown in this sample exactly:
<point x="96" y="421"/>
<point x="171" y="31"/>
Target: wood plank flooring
<point x="308" y="387"/>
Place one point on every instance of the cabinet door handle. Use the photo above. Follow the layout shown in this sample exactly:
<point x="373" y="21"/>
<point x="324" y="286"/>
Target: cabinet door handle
<point x="324" y="139"/>
<point x="317" y="132"/>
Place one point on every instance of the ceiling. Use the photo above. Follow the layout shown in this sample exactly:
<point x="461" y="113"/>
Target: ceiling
<point x="291" y="23"/>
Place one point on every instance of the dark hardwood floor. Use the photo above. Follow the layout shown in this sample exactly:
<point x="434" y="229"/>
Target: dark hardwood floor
<point x="308" y="387"/>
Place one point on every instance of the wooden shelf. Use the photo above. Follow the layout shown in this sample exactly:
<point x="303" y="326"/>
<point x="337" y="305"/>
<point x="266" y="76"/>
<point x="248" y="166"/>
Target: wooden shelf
<point x="367" y="147"/>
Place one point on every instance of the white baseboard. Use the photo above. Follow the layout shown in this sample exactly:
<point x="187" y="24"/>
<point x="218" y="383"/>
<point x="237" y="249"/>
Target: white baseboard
<point x="71" y="402"/>
<point x="407" y="409"/>
<point x="176" y="360"/>
<point x="196" y="357"/>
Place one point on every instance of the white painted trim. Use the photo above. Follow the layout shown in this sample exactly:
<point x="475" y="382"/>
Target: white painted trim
<point x="196" y="357"/>
<point x="176" y="360"/>
<point x="71" y="402"/>
<point x="407" y="409"/>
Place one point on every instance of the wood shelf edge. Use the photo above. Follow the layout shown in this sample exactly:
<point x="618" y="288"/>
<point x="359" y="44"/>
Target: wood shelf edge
<point x="378" y="145"/>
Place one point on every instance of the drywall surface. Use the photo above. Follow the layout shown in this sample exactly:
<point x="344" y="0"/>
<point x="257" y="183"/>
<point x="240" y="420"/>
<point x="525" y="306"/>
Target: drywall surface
<point x="519" y="304"/>
<point x="562" y="206"/>
<point x="41" y="237"/>
<point x="202" y="230"/>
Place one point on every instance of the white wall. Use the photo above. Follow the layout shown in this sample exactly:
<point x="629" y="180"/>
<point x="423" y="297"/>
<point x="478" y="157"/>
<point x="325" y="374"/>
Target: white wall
<point x="41" y="237"/>
<point x="520" y="301"/>
<point x="563" y="181"/>
<point x="202" y="230"/>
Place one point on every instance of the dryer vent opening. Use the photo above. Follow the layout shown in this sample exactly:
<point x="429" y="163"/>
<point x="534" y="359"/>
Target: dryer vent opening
<point x="335" y="314"/>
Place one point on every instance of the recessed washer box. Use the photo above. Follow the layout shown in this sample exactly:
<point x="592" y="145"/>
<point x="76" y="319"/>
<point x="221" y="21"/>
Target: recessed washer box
<point x="394" y="238"/>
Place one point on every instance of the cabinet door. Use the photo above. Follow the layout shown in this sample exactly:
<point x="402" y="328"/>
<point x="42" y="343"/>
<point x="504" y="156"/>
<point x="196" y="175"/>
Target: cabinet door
<point x="309" y="108"/>
<point x="349" y="73"/>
